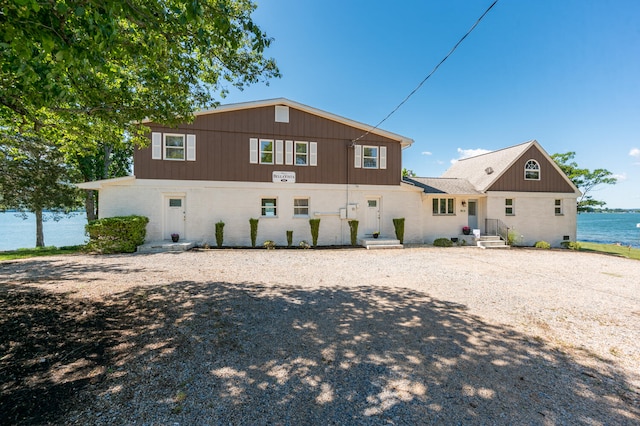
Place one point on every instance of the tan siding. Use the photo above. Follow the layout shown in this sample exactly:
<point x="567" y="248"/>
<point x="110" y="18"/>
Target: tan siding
<point x="222" y="150"/>
<point x="550" y="179"/>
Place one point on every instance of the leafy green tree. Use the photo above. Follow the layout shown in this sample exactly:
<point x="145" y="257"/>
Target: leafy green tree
<point x="119" y="62"/>
<point x="408" y="173"/>
<point x="35" y="178"/>
<point x="586" y="180"/>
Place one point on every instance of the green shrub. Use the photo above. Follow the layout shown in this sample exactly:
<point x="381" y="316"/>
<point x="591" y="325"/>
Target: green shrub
<point x="219" y="233"/>
<point x="542" y="245"/>
<point x="442" y="242"/>
<point x="571" y="245"/>
<point x="289" y="238"/>
<point x="353" y="227"/>
<point x="269" y="245"/>
<point x="304" y="245"/>
<point x="121" y="234"/>
<point x="398" y="225"/>
<point x="254" y="230"/>
<point x="315" y="230"/>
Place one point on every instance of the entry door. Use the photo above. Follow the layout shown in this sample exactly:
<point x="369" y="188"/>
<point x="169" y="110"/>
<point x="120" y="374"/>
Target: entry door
<point x="372" y="221"/>
<point x="175" y="216"/>
<point x="473" y="214"/>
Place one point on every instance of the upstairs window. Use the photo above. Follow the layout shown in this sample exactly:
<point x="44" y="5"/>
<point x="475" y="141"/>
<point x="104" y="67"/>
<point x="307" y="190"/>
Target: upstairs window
<point x="370" y="157"/>
<point x="532" y="170"/>
<point x="302" y="154"/>
<point x="443" y="206"/>
<point x="173" y="147"/>
<point x="266" y="151"/>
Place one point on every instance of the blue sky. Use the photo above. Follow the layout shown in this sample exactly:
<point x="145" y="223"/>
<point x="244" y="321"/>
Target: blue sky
<point x="566" y="73"/>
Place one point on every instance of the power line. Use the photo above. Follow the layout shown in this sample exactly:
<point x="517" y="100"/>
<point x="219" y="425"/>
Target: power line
<point x="430" y="74"/>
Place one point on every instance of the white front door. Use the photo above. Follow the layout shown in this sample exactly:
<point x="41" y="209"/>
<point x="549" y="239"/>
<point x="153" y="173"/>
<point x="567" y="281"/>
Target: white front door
<point x="372" y="219"/>
<point x="175" y="216"/>
<point x="473" y="214"/>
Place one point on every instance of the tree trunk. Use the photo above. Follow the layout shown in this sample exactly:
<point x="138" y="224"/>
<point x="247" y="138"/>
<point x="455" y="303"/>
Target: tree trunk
<point x="39" y="232"/>
<point x="90" y="205"/>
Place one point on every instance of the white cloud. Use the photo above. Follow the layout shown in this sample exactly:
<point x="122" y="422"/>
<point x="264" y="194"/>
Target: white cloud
<point x="621" y="177"/>
<point x="466" y="153"/>
<point x="426" y="153"/>
<point x="635" y="153"/>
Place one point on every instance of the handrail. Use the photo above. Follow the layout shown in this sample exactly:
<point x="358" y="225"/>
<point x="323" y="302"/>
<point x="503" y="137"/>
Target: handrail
<point x="496" y="227"/>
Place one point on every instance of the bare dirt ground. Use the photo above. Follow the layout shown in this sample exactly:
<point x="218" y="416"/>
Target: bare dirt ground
<point x="420" y="335"/>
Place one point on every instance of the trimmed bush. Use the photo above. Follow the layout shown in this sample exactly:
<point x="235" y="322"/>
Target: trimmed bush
<point x="289" y="238"/>
<point x="269" y="245"/>
<point x="219" y="233"/>
<point x="353" y="228"/>
<point x="254" y="230"/>
<point x="121" y="234"/>
<point x="442" y="242"/>
<point x="398" y="225"/>
<point x="304" y="245"/>
<point x="315" y="230"/>
<point x="571" y="245"/>
<point x="542" y="245"/>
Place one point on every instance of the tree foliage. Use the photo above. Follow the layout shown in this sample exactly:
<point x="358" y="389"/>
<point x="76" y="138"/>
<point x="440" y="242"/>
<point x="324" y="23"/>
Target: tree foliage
<point x="586" y="180"/>
<point x="35" y="178"/>
<point x="122" y="61"/>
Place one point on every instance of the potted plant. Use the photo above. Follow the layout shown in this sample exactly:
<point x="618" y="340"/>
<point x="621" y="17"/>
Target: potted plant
<point x="376" y="234"/>
<point x="175" y="237"/>
<point x="466" y="230"/>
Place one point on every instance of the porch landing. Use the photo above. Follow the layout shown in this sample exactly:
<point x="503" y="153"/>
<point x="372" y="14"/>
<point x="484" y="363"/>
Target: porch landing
<point x="380" y="243"/>
<point x="164" y="246"/>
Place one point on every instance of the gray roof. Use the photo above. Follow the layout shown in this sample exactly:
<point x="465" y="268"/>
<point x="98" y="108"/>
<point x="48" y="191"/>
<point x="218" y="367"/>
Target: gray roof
<point x="440" y="185"/>
<point x="482" y="170"/>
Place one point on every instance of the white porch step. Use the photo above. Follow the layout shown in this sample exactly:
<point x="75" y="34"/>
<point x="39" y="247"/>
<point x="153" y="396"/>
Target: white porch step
<point x="491" y="241"/>
<point x="380" y="243"/>
<point x="164" y="246"/>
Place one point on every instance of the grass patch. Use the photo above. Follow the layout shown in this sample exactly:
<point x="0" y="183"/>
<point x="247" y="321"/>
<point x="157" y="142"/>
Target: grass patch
<point x="624" y="251"/>
<point x="25" y="253"/>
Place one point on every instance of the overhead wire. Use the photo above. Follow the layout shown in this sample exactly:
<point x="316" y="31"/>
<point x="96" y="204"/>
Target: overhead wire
<point x="429" y="75"/>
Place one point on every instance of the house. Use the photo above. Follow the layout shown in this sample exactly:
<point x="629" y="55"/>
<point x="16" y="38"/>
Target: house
<point x="519" y="189"/>
<point x="285" y="163"/>
<point x="276" y="160"/>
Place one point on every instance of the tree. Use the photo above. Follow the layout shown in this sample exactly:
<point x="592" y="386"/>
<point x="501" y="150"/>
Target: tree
<point x="35" y="178"/>
<point x="118" y="62"/>
<point x="585" y="179"/>
<point x="408" y="173"/>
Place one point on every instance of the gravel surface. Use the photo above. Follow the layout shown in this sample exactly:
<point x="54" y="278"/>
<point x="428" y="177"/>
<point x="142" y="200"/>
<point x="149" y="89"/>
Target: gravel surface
<point x="291" y="337"/>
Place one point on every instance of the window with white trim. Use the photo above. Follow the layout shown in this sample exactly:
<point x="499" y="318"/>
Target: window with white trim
<point x="370" y="157"/>
<point x="301" y="207"/>
<point x="532" y="170"/>
<point x="173" y="146"/>
<point x="509" y="207"/>
<point x="558" y="207"/>
<point x="302" y="153"/>
<point x="443" y="206"/>
<point x="269" y="207"/>
<point x="266" y="151"/>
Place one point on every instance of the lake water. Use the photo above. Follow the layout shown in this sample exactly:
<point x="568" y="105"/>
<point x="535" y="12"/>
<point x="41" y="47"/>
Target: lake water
<point x="16" y="233"/>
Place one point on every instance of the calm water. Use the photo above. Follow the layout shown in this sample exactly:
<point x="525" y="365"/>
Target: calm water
<point x="16" y="233"/>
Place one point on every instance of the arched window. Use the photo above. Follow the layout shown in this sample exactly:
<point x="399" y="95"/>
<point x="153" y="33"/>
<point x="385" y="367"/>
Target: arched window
<point x="532" y="170"/>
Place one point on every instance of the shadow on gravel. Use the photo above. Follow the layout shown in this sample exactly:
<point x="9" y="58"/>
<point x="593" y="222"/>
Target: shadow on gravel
<point x="211" y="353"/>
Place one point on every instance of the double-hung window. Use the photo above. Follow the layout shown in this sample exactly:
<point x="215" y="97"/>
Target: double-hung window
<point x="370" y="157"/>
<point x="266" y="151"/>
<point x="173" y="147"/>
<point x="301" y="207"/>
<point x="269" y="207"/>
<point x="558" y="207"/>
<point x="443" y="206"/>
<point x="509" y="207"/>
<point x="302" y="153"/>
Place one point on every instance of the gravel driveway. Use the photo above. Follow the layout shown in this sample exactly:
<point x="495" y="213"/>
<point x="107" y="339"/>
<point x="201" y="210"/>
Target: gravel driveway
<point x="402" y="337"/>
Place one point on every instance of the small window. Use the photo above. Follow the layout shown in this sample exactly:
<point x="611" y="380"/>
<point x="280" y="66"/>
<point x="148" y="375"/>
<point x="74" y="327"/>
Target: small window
<point x="173" y="147"/>
<point x="266" y="152"/>
<point x="532" y="170"/>
<point x="302" y="154"/>
<point x="558" y="207"/>
<point x="509" y="209"/>
<point x="372" y="203"/>
<point x="443" y="206"/>
<point x="370" y="157"/>
<point x="269" y="207"/>
<point x="175" y="202"/>
<point x="301" y="207"/>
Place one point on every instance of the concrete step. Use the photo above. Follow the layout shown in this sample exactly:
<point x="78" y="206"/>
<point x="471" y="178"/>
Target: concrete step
<point x="492" y="244"/>
<point x="164" y="246"/>
<point x="381" y="243"/>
